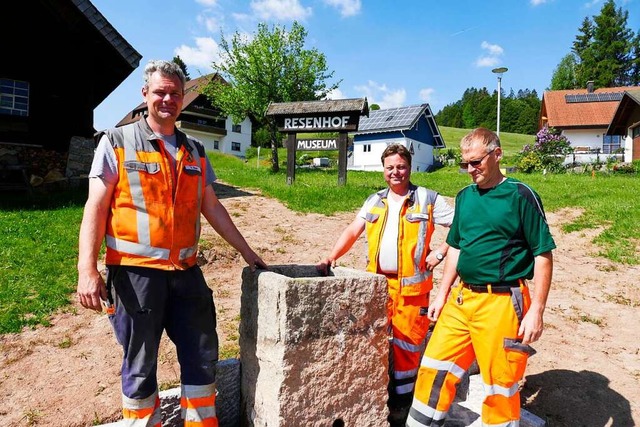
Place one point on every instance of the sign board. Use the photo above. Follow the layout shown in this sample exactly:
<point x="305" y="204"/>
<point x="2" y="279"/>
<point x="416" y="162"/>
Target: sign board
<point x="319" y="123"/>
<point x="322" y="144"/>
<point x="329" y="115"/>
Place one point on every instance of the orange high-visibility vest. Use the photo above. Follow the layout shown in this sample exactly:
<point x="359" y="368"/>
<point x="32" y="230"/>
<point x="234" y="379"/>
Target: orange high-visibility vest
<point x="414" y="236"/>
<point x="154" y="221"/>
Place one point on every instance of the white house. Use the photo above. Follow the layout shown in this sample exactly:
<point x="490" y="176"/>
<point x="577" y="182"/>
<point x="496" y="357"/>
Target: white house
<point x="583" y="116"/>
<point x="626" y="121"/>
<point x="203" y="122"/>
<point x="414" y="127"/>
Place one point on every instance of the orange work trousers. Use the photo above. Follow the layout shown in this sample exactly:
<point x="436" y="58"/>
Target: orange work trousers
<point x="481" y="326"/>
<point x="408" y="327"/>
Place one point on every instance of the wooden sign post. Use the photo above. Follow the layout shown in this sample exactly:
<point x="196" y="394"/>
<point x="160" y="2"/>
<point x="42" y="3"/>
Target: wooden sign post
<point x="333" y="115"/>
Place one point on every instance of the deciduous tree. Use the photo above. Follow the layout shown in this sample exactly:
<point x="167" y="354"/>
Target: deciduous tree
<point x="564" y="76"/>
<point x="272" y="65"/>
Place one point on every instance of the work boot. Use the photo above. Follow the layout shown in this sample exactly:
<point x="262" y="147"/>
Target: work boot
<point x="398" y="416"/>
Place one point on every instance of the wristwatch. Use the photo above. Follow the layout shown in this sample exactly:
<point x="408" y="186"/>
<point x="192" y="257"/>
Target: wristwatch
<point x="439" y="256"/>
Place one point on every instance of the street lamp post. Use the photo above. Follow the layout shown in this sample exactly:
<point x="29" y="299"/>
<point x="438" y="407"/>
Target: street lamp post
<point x="499" y="71"/>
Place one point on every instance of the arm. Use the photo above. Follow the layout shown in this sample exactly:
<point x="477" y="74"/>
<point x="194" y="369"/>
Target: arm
<point x="91" y="286"/>
<point x="432" y="261"/>
<point x="449" y="276"/>
<point x="443" y="215"/>
<point x="532" y="323"/>
<point x="220" y="220"/>
<point x="342" y="245"/>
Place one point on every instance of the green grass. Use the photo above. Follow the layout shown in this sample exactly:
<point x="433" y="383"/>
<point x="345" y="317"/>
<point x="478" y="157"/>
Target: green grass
<point x="38" y="255"/>
<point x="39" y="235"/>
<point x="608" y="201"/>
<point x="511" y="143"/>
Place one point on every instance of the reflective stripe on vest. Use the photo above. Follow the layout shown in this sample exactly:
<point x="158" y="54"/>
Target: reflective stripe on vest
<point x="418" y="280"/>
<point x="136" y="188"/>
<point x="424" y="233"/>
<point x="155" y="221"/>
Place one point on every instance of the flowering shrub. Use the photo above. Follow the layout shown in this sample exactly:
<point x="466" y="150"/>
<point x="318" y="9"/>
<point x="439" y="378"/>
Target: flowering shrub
<point x="548" y="152"/>
<point x="626" y="167"/>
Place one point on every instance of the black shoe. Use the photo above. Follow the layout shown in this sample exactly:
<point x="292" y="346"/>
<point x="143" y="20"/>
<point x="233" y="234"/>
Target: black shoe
<point x="398" y="416"/>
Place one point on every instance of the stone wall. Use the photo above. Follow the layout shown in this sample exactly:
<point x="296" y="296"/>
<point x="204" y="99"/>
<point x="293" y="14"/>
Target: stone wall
<point x="80" y="157"/>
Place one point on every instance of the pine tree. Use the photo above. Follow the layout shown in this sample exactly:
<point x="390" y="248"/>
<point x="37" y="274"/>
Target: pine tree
<point x="634" y="73"/>
<point x="605" y="49"/>
<point x="612" y="46"/>
<point x="182" y="65"/>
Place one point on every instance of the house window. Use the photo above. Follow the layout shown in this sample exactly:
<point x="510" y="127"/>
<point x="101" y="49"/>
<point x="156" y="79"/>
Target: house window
<point x="14" y="97"/>
<point x="366" y="148"/>
<point x="235" y="146"/>
<point x="635" y="132"/>
<point x="216" y="145"/>
<point x="610" y="143"/>
<point x="237" y="129"/>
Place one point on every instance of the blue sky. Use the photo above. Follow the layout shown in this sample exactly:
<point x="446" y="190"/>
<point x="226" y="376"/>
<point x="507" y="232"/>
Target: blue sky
<point x="395" y="53"/>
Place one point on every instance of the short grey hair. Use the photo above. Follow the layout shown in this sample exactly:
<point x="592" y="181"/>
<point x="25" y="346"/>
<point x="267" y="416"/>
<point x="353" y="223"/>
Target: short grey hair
<point x="488" y="138"/>
<point x="166" y="68"/>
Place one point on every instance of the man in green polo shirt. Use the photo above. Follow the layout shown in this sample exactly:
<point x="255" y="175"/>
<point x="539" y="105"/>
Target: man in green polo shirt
<point x="499" y="239"/>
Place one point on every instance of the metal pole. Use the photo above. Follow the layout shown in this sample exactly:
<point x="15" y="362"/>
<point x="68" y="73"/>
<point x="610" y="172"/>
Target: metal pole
<point x="498" y="125"/>
<point x="498" y="72"/>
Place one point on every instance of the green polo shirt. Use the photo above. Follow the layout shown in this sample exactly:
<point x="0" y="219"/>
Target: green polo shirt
<point x="499" y="231"/>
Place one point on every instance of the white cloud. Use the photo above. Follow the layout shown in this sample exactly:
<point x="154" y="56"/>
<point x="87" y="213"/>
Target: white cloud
<point x="207" y="3"/>
<point x="205" y="52"/>
<point x="494" y="49"/>
<point x="381" y="95"/>
<point x="492" y="57"/>
<point x="426" y="94"/>
<point x="346" y="7"/>
<point x="282" y="10"/>
<point x="335" y="94"/>
<point x="537" y="2"/>
<point x="213" y="24"/>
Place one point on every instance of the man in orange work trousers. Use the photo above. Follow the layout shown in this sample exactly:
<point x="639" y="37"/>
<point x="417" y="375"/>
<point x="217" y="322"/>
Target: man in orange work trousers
<point x="149" y="185"/>
<point x="498" y="240"/>
<point x="399" y="222"/>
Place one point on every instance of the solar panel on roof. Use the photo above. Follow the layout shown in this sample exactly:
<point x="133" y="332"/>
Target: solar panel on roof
<point x="393" y="118"/>
<point x="593" y="97"/>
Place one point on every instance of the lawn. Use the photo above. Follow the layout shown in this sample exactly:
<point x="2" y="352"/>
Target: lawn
<point x="39" y="235"/>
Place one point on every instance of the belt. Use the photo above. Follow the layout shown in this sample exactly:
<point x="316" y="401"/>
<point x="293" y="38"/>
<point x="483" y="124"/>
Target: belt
<point x="497" y="288"/>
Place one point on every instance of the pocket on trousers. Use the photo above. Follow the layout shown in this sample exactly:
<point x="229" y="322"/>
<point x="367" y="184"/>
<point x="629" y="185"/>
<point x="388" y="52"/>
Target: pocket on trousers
<point x="420" y="323"/>
<point x="516" y="345"/>
<point x="517" y="356"/>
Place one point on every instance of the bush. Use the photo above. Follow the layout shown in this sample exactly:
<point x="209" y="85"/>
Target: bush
<point x="304" y="159"/>
<point x="547" y="154"/>
<point x="627" y="167"/>
<point x="529" y="161"/>
<point x="450" y="156"/>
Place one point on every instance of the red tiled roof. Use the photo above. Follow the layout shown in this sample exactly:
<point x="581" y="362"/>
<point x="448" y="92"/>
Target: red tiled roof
<point x="558" y="113"/>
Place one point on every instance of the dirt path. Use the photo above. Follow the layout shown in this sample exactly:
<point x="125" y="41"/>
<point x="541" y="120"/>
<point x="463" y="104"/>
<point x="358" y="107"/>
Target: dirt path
<point x="586" y="372"/>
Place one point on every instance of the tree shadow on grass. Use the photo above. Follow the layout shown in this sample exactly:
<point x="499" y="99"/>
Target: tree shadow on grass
<point x="575" y="399"/>
<point x="42" y="200"/>
<point x="224" y="191"/>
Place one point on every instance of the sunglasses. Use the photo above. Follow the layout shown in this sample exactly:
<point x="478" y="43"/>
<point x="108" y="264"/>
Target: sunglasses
<point x="475" y="163"/>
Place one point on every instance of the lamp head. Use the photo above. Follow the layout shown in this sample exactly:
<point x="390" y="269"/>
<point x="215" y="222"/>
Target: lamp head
<point x="500" y="70"/>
